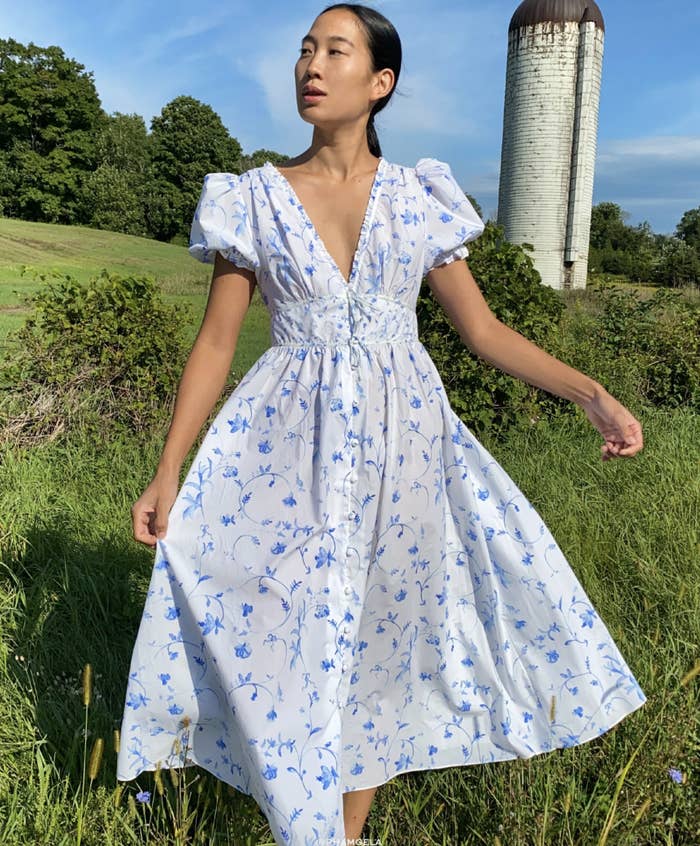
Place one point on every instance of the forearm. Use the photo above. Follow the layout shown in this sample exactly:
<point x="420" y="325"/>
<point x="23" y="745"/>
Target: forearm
<point x="513" y="353"/>
<point x="202" y="381"/>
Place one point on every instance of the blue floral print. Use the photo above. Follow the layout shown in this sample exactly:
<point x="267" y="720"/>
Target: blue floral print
<point x="350" y="586"/>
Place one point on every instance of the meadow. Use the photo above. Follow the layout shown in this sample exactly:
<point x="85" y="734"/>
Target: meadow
<point x="73" y="581"/>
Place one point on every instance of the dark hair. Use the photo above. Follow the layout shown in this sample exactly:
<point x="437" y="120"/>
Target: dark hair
<point x="385" y="48"/>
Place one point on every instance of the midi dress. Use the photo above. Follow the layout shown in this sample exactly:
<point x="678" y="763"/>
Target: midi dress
<point x="350" y="586"/>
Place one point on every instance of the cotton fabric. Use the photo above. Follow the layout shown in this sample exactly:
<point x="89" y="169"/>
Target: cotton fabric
<point x="351" y="586"/>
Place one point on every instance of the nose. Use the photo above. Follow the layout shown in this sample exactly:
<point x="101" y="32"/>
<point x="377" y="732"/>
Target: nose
<point x="311" y="70"/>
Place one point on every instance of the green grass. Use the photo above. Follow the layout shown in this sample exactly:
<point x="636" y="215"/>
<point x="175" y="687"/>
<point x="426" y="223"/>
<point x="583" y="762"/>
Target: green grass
<point x="72" y="588"/>
<point x="73" y="583"/>
<point x="28" y="249"/>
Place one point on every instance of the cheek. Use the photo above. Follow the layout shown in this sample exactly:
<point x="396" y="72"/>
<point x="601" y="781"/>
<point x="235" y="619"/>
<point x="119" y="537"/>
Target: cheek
<point x="351" y="79"/>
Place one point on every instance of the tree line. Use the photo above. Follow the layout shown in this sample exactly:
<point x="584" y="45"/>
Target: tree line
<point x="63" y="159"/>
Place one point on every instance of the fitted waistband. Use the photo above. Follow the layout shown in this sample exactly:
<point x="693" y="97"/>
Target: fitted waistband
<point x="343" y="319"/>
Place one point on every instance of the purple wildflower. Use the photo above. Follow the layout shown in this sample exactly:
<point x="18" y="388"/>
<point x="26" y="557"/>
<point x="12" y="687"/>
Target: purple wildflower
<point x="676" y="775"/>
<point x="143" y="796"/>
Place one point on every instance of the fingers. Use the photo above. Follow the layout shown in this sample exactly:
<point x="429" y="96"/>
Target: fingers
<point x="144" y="531"/>
<point x="612" y="449"/>
<point x="157" y="526"/>
<point x="146" y="528"/>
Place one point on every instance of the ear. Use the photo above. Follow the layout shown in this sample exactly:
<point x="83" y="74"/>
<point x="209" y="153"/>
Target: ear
<point x="384" y="82"/>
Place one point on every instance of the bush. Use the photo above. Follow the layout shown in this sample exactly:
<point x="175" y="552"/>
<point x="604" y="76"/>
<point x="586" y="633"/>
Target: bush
<point x="486" y="398"/>
<point x="645" y="352"/>
<point x="103" y="357"/>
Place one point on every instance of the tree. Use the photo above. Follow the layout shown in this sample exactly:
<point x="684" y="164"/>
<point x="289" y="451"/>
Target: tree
<point x="679" y="264"/>
<point x="50" y="114"/>
<point x="608" y="228"/>
<point x="187" y="141"/>
<point x="688" y="230"/>
<point x="113" y="195"/>
<point x="618" y="248"/>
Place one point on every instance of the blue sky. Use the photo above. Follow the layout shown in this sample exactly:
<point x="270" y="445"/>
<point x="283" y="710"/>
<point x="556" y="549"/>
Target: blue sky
<point x="239" y="57"/>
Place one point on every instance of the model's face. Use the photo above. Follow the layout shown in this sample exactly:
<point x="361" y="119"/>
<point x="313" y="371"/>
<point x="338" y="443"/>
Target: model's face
<point x="334" y="58"/>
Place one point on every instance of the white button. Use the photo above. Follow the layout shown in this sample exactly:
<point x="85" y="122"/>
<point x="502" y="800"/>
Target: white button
<point x="348" y="590"/>
<point x="343" y="667"/>
<point x="351" y="515"/>
<point x="346" y="629"/>
<point x="354" y="441"/>
<point x="348" y="552"/>
<point x="353" y="478"/>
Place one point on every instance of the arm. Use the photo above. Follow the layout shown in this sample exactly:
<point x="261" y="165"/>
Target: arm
<point x="209" y="362"/>
<point x="455" y="289"/>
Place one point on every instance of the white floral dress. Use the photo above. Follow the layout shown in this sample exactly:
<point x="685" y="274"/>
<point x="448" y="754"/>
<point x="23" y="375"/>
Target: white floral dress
<point x="351" y="586"/>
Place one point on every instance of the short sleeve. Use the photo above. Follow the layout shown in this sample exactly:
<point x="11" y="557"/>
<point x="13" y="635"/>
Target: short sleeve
<point x="221" y="223"/>
<point x="450" y="219"/>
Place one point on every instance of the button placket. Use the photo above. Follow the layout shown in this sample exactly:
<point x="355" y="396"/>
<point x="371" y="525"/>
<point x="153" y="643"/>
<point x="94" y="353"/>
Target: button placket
<point x="351" y="513"/>
<point x="352" y="442"/>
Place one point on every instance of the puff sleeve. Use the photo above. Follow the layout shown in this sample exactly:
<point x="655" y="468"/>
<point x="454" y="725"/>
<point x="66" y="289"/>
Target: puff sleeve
<point x="221" y="223"/>
<point x="450" y="219"/>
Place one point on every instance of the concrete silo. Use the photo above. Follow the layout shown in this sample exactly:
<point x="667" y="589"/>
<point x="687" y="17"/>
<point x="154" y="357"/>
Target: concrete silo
<point x="550" y="125"/>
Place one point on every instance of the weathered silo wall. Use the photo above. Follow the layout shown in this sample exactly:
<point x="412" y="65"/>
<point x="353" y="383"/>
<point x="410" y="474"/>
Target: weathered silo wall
<point x="550" y="123"/>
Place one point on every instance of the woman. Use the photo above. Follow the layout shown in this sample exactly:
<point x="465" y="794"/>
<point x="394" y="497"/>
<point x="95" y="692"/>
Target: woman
<point x="347" y="585"/>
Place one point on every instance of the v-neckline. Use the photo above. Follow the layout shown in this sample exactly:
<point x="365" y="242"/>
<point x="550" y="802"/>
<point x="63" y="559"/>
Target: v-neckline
<point x="367" y="217"/>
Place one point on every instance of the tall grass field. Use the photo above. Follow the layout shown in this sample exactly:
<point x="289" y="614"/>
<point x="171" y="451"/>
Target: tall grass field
<point x="73" y="584"/>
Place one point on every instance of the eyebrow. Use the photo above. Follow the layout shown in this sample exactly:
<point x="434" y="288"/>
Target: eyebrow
<point x="311" y="38"/>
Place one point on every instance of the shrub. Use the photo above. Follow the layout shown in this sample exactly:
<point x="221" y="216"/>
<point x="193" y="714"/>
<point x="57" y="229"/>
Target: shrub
<point x="643" y="351"/>
<point x="106" y="356"/>
<point x="486" y="398"/>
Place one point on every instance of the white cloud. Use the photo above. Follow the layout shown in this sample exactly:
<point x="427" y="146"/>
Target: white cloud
<point x="627" y="152"/>
<point x="158" y="43"/>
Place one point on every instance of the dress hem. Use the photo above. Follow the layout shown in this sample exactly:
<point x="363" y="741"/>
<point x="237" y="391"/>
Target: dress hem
<point x="192" y="760"/>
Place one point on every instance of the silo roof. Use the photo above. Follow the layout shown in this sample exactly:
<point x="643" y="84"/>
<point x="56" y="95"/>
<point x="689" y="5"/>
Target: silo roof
<point x="531" y="12"/>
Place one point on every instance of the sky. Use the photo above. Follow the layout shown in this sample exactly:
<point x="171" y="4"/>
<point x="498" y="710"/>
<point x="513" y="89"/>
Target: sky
<point x="238" y="57"/>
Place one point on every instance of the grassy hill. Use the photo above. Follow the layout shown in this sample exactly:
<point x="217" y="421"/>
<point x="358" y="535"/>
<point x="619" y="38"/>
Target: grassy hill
<point x="28" y="249"/>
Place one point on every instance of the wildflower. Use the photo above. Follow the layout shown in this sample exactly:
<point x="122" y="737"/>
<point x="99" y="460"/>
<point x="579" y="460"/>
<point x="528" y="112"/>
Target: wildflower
<point x="143" y="796"/>
<point x="676" y="775"/>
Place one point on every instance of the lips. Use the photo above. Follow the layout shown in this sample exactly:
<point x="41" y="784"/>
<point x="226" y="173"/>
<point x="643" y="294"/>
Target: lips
<point x="313" y="91"/>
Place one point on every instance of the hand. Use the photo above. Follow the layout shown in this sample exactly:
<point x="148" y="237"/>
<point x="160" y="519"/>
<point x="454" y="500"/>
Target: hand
<point x="621" y="430"/>
<point x="150" y="511"/>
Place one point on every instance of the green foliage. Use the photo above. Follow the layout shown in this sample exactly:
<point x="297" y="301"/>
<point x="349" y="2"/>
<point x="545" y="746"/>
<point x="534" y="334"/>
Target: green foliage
<point x="688" y="228"/>
<point x="102" y="358"/>
<point x="636" y="253"/>
<point x="113" y="195"/>
<point x="113" y="200"/>
<point x="258" y="158"/>
<point x="644" y="351"/>
<point x="50" y="114"/>
<point x="617" y="248"/>
<point x="678" y="264"/>
<point x="485" y="397"/>
<point x="187" y="141"/>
